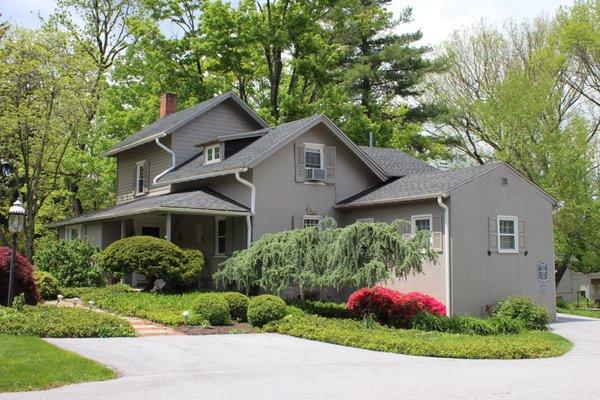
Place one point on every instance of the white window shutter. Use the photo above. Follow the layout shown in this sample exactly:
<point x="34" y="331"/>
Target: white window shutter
<point x="147" y="176"/>
<point x="300" y="163"/>
<point x="297" y="222"/>
<point x="329" y="155"/>
<point x="493" y="234"/>
<point x="522" y="247"/>
<point x="436" y="233"/>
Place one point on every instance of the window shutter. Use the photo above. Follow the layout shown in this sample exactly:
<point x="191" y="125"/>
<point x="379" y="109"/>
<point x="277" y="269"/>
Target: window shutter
<point x="436" y="233"/>
<point x="405" y="229"/>
<point x="300" y="163"/>
<point x="228" y="235"/>
<point x="222" y="151"/>
<point x="493" y="234"/>
<point x="297" y="222"/>
<point x="522" y="247"/>
<point x="329" y="163"/>
<point x="147" y="177"/>
<point x="134" y="188"/>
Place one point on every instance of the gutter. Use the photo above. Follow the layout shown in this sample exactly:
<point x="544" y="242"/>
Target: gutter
<point x="391" y="201"/>
<point x="252" y="205"/>
<point x="112" y="152"/>
<point x="172" y="167"/>
<point x="446" y="255"/>
<point x="208" y="175"/>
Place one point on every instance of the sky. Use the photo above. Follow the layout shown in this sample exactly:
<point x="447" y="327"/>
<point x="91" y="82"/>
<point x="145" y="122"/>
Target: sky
<point x="436" y="18"/>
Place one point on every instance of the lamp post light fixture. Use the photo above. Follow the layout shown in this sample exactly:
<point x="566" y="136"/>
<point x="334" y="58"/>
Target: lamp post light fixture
<point x="16" y="222"/>
<point x="186" y="316"/>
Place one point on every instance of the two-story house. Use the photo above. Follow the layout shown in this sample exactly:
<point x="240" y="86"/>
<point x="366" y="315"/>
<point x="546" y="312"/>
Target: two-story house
<point x="216" y="177"/>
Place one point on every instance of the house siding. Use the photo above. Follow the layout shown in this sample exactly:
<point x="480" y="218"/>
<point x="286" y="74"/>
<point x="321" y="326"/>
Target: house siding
<point x="158" y="159"/>
<point x="479" y="280"/>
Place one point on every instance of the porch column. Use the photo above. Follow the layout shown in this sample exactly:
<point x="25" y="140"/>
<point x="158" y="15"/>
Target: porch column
<point x="122" y="229"/>
<point x="168" y="227"/>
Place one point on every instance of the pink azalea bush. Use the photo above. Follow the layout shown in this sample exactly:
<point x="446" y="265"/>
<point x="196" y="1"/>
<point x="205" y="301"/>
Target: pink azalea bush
<point x="391" y="307"/>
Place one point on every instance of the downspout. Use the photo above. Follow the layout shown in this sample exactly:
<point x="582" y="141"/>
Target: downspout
<point x="168" y="150"/>
<point x="252" y="206"/>
<point x="446" y="255"/>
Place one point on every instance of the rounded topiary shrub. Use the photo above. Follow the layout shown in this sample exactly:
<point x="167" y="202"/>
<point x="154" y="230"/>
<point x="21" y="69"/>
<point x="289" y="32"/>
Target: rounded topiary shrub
<point x="191" y="267"/>
<point x="152" y="257"/>
<point x="212" y="307"/>
<point x="238" y="305"/>
<point x="23" y="283"/>
<point x="523" y="309"/>
<point x="265" y="308"/>
<point x="47" y="284"/>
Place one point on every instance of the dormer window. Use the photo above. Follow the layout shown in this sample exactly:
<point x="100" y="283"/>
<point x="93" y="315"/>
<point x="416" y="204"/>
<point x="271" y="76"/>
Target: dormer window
<point x="212" y="154"/>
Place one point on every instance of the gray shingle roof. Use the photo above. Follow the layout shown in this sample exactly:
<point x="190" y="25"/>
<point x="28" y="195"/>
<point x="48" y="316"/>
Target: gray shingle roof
<point x="170" y="122"/>
<point x="202" y="199"/>
<point x="396" y="163"/>
<point x="243" y="159"/>
<point x="418" y="185"/>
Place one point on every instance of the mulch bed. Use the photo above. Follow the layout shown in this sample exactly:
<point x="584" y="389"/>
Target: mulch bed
<point x="236" y="327"/>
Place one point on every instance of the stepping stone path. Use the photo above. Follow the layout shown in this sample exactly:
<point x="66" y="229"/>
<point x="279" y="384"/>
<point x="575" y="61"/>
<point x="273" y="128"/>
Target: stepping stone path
<point x="142" y="327"/>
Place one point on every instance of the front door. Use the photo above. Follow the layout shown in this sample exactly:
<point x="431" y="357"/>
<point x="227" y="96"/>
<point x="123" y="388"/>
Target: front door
<point x="151" y="231"/>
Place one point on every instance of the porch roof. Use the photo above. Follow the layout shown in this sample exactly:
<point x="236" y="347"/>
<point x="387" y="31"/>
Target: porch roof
<point x="202" y="201"/>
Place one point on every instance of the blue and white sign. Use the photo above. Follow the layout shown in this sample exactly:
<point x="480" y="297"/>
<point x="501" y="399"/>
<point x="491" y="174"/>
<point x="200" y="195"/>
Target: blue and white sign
<point x="543" y="275"/>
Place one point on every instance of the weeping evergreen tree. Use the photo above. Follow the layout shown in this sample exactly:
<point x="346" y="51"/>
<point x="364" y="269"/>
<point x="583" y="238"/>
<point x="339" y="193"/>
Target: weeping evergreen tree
<point x="361" y="254"/>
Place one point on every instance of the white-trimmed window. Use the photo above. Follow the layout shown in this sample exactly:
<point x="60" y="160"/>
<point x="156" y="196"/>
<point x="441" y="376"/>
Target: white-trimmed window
<point x="73" y="232"/>
<point x="220" y="236"/>
<point x="365" y="220"/>
<point x="311" y="220"/>
<point x="140" y="177"/>
<point x="313" y="155"/>
<point x="508" y="234"/>
<point x="212" y="153"/>
<point x="421" y="223"/>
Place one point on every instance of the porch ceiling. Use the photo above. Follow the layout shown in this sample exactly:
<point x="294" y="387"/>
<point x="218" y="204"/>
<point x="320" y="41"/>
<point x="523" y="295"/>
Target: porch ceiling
<point x="202" y="201"/>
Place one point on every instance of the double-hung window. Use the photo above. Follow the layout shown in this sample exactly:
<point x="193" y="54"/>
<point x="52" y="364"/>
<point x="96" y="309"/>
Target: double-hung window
<point x="508" y="235"/>
<point x="140" y="177"/>
<point x="421" y="223"/>
<point x="311" y="220"/>
<point x="212" y="153"/>
<point x="313" y="155"/>
<point x="74" y="232"/>
<point x="220" y="236"/>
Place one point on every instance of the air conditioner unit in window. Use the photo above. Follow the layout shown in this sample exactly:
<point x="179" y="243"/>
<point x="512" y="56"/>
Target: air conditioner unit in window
<point x="315" y="174"/>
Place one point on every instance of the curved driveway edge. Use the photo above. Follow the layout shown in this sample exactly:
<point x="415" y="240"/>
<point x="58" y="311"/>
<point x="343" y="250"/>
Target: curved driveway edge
<point x="271" y="366"/>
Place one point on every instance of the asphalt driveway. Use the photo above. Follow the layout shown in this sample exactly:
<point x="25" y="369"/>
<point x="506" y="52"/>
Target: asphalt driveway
<point x="270" y="366"/>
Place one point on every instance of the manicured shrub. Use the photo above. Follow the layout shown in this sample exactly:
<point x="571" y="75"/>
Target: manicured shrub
<point x="465" y="324"/>
<point x="51" y="321"/>
<point x="376" y="302"/>
<point x="238" y="305"/>
<point x="524" y="309"/>
<point x="191" y="266"/>
<point x="265" y="308"/>
<point x="328" y="309"/>
<point x="47" y="284"/>
<point x="213" y="308"/>
<point x="24" y="282"/>
<point x="428" y="303"/>
<point x="72" y="262"/>
<point x="561" y="303"/>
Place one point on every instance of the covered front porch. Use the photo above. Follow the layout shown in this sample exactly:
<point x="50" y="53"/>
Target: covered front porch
<point x="202" y="220"/>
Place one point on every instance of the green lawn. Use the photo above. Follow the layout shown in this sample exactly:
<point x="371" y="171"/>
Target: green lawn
<point x="29" y="363"/>
<point x="578" y="311"/>
<point x="345" y="332"/>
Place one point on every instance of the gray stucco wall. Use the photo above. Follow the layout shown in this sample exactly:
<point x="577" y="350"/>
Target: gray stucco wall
<point x="158" y="160"/>
<point x="279" y="197"/>
<point x="479" y="280"/>
<point x="432" y="280"/>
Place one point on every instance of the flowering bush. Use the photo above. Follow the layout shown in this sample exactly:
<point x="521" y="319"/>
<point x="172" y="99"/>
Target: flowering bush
<point x="391" y="307"/>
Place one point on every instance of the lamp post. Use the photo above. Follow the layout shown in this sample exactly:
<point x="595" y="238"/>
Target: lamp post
<point x="16" y="221"/>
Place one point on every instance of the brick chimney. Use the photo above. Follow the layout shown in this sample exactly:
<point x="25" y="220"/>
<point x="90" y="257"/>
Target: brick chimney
<point x="168" y="104"/>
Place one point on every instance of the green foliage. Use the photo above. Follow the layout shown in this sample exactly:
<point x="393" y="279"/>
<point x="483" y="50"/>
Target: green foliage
<point x="191" y="267"/>
<point x="327" y="309"/>
<point x="47" y="284"/>
<point x="81" y="292"/>
<point x="212" y="307"/>
<point x="238" y="305"/>
<point x="50" y="321"/>
<point x="72" y="262"/>
<point x="361" y="254"/>
<point x="524" y="309"/>
<point x="19" y="302"/>
<point x="265" y="308"/>
<point x="146" y="255"/>
<point x="34" y="364"/>
<point x="348" y="332"/>
<point x="467" y="325"/>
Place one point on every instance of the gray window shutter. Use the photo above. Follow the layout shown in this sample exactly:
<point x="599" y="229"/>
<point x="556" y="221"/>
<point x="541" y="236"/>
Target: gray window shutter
<point x="329" y="163"/>
<point x="436" y="233"/>
<point x="300" y="163"/>
<point x="147" y="177"/>
<point x="134" y="179"/>
<point x="298" y="221"/>
<point x="493" y="234"/>
<point x="522" y="247"/>
<point x="222" y="151"/>
<point x="228" y="235"/>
